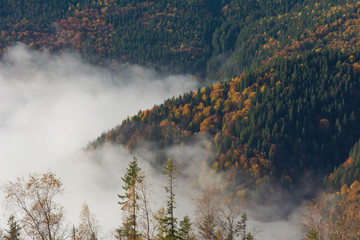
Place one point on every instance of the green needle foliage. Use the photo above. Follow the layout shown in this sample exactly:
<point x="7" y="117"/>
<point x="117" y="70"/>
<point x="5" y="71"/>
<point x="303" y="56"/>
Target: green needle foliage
<point x="129" y="201"/>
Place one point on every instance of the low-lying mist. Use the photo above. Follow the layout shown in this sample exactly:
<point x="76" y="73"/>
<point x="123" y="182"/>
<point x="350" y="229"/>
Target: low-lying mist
<point x="51" y="106"/>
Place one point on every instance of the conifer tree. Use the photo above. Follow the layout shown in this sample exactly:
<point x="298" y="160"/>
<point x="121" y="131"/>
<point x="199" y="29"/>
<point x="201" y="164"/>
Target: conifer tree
<point x="185" y="230"/>
<point x="13" y="233"/>
<point x="129" y="202"/>
<point x="167" y="221"/>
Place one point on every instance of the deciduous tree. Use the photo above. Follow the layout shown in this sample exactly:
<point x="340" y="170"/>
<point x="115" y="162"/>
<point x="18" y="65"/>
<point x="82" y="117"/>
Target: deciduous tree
<point x="33" y="198"/>
<point x="89" y="226"/>
<point x="206" y="215"/>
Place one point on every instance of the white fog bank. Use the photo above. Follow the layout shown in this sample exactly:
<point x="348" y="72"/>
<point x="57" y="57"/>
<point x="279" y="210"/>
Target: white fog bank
<point x="51" y="106"/>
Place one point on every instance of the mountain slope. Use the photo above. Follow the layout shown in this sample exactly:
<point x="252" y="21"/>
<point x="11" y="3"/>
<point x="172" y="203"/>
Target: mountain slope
<point x="346" y="173"/>
<point x="278" y="122"/>
<point x="213" y="39"/>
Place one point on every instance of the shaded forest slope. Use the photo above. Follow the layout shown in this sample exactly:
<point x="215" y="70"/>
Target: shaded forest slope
<point x="213" y="39"/>
<point x="278" y="122"/>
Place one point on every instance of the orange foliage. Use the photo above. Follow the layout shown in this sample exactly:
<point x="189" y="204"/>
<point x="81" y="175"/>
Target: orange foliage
<point x="209" y="124"/>
<point x="349" y="161"/>
<point x="216" y="94"/>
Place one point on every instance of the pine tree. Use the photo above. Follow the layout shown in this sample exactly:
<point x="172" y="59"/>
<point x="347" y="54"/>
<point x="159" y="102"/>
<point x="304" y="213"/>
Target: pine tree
<point x="129" y="201"/>
<point x="185" y="229"/>
<point x="168" y="222"/>
<point x="14" y="229"/>
<point x="312" y="235"/>
<point x="242" y="228"/>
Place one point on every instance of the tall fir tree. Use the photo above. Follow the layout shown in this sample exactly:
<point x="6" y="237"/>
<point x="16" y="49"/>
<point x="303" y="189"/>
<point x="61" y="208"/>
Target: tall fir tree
<point x="167" y="222"/>
<point x="129" y="202"/>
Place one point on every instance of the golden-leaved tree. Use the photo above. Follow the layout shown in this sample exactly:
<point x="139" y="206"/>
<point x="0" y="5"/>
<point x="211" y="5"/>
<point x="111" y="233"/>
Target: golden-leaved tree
<point x="33" y="200"/>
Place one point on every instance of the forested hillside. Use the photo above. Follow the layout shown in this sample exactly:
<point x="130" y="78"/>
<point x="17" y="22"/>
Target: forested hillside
<point x="213" y="39"/>
<point x="348" y="172"/>
<point x="276" y="123"/>
<point x="284" y="104"/>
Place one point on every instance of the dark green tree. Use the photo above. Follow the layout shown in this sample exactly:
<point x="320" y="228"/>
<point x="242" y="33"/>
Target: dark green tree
<point x="13" y="233"/>
<point x="185" y="230"/>
<point x="129" y="201"/>
<point x="168" y="221"/>
<point x="242" y="227"/>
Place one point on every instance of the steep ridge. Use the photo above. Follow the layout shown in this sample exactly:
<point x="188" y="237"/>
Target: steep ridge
<point x="276" y="123"/>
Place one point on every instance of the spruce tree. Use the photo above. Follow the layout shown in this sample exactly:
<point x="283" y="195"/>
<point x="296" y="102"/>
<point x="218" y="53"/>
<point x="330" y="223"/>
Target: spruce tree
<point x="129" y="202"/>
<point x="185" y="231"/>
<point x="13" y="233"/>
<point x="168" y="222"/>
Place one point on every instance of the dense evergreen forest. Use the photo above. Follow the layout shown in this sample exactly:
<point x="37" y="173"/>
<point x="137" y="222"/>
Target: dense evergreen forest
<point x="285" y="103"/>
<point x="210" y="39"/>
<point x="292" y="116"/>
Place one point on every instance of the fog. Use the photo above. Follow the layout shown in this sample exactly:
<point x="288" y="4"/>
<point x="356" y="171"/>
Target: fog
<point x="51" y="106"/>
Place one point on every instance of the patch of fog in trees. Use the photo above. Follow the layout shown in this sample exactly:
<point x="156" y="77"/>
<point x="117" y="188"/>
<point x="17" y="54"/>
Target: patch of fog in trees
<point x="52" y="105"/>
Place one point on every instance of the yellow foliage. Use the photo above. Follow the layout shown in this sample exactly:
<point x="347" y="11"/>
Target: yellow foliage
<point x="355" y="185"/>
<point x="206" y="111"/>
<point x="177" y="114"/>
<point x="241" y="193"/>
<point x="262" y="89"/>
<point x="198" y="118"/>
<point x="214" y="167"/>
<point x="218" y="86"/>
<point x="229" y="105"/>
<point x="237" y="97"/>
<point x="164" y="123"/>
<point x="351" y="58"/>
<point x="200" y="106"/>
<point x="227" y="165"/>
<point x="203" y="97"/>
<point x="186" y="110"/>
<point x="344" y="189"/>
<point x="218" y="104"/>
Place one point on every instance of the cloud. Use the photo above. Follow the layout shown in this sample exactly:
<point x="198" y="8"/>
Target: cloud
<point x="51" y="106"/>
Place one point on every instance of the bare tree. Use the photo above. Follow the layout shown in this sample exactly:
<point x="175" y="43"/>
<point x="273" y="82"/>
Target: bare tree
<point x="89" y="226"/>
<point x="221" y="218"/>
<point x="230" y="217"/>
<point x="146" y="213"/>
<point x="316" y="219"/>
<point x="207" y="215"/>
<point x="33" y="199"/>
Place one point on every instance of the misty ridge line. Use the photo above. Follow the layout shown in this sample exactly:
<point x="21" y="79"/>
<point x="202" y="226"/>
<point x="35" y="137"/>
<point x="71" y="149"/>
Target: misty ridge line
<point x="45" y="68"/>
<point x="51" y="105"/>
<point x="64" y="106"/>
